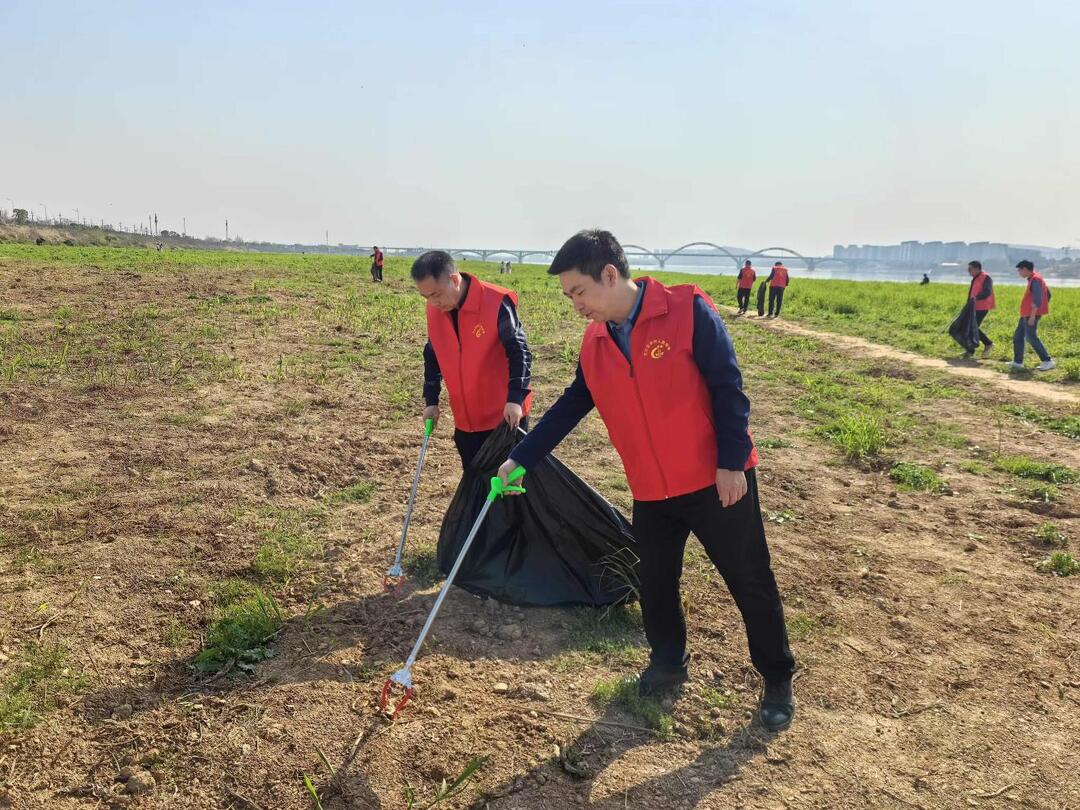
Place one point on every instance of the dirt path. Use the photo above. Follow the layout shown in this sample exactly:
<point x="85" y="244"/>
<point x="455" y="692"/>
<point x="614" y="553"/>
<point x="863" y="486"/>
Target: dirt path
<point x="970" y="369"/>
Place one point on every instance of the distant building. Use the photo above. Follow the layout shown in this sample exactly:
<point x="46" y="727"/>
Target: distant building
<point x="917" y="253"/>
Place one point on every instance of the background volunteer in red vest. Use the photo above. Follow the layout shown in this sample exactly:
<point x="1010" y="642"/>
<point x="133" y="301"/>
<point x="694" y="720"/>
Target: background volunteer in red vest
<point x="658" y="365"/>
<point x="376" y="264"/>
<point x="477" y="346"/>
<point x="778" y="281"/>
<point x="981" y="292"/>
<point x="744" y="285"/>
<point x="1035" y="304"/>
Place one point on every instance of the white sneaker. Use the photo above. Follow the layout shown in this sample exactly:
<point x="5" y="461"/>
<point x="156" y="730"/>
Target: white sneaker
<point x="1014" y="366"/>
<point x="1048" y="365"/>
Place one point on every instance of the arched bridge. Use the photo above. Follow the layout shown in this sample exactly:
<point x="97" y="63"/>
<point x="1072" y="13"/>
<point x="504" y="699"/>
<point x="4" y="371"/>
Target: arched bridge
<point x="697" y="250"/>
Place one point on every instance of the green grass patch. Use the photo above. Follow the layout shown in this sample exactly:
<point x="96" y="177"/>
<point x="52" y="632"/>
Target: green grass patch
<point x="858" y="435"/>
<point x="359" y="492"/>
<point x="288" y="547"/>
<point x="1042" y="491"/>
<point x="1060" y="564"/>
<point x="801" y="628"/>
<point x="189" y="419"/>
<point x="176" y="635"/>
<point x="616" y="635"/>
<point x="719" y="699"/>
<point x="241" y="632"/>
<point x="623" y="694"/>
<point x="916" y="477"/>
<point x="1026" y="467"/>
<point x="39" y="674"/>
<point x="230" y="591"/>
<point x="974" y="467"/>
<point x="422" y="566"/>
<point x="1065" y="425"/>
<point x="1049" y="534"/>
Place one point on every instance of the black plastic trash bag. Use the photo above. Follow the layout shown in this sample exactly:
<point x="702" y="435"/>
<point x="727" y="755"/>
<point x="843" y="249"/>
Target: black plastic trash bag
<point x="761" y="298"/>
<point x="965" y="329"/>
<point x="559" y="544"/>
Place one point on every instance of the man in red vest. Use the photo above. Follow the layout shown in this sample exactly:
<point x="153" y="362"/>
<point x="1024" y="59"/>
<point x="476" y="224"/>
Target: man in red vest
<point x="1035" y="304"/>
<point x="376" y="264"/>
<point x="778" y="281"/>
<point x="981" y="292"/>
<point x="744" y="285"/>
<point x="477" y="346"/>
<point x="658" y="365"/>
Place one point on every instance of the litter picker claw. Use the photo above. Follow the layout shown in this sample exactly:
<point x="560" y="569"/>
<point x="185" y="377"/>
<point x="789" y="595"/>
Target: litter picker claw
<point x="403" y="677"/>
<point x="392" y="578"/>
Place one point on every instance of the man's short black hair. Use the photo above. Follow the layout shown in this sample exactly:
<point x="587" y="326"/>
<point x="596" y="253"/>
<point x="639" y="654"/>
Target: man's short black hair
<point x="589" y="252"/>
<point x="1024" y="264"/>
<point x="746" y="262"/>
<point x="976" y="264"/>
<point x="434" y="264"/>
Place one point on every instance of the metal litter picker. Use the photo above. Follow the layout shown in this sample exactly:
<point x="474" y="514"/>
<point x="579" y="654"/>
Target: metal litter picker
<point x="393" y="576"/>
<point x="403" y="677"/>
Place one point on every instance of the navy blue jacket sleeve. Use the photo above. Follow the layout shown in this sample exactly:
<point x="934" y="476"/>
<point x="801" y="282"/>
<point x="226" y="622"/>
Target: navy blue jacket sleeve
<point x="1037" y="292"/>
<point x="569" y="409"/>
<point x="715" y="358"/>
<point x="432" y="376"/>
<point x="512" y="337"/>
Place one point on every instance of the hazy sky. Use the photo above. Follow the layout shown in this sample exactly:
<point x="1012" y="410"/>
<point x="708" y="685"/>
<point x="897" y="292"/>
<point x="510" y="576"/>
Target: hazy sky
<point x="514" y="124"/>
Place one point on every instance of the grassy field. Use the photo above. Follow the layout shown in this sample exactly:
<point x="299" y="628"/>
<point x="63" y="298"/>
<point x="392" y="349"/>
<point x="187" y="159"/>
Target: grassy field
<point x="916" y="318"/>
<point x="201" y="466"/>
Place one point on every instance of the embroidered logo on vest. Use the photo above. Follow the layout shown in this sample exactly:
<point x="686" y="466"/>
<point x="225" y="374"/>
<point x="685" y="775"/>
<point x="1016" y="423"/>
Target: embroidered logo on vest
<point x="657" y="348"/>
<point x="478" y="330"/>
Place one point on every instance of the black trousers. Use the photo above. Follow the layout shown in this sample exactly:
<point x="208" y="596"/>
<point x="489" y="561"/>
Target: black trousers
<point x="469" y="443"/>
<point x="743" y="297"/>
<point x="980" y="315"/>
<point x="376" y="272"/>
<point x="734" y="539"/>
<point x="776" y="295"/>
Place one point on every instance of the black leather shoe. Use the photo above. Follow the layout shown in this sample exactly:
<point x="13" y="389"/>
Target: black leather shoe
<point x="777" y="705"/>
<point x="659" y="678"/>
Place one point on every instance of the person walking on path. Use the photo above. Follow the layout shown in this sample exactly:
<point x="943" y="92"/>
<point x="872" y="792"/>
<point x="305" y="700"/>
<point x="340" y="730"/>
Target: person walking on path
<point x="477" y="346"/>
<point x="658" y="365"/>
<point x="981" y="292"/>
<point x="778" y="281"/>
<point x="1033" y="306"/>
<point x="376" y="264"/>
<point x="744" y="285"/>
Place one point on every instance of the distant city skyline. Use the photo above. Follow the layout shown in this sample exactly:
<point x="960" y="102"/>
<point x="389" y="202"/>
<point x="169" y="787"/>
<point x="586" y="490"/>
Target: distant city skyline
<point x="426" y="123"/>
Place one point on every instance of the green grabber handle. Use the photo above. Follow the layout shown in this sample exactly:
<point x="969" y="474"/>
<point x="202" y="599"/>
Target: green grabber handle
<point x="429" y="427"/>
<point x="497" y="487"/>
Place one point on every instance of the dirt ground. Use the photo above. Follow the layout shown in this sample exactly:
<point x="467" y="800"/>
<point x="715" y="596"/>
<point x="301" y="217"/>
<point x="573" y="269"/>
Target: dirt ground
<point x="938" y="669"/>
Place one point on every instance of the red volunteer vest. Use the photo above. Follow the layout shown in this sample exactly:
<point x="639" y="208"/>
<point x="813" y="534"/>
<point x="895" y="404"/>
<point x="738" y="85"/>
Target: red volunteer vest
<point x="658" y="411"/>
<point x="472" y="359"/>
<point x="780" y="278"/>
<point x="977" y="284"/>
<point x="378" y="258"/>
<point x="746" y="279"/>
<point x="1025" y="303"/>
